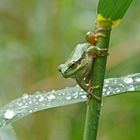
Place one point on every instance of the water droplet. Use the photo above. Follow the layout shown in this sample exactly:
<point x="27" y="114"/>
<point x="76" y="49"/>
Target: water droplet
<point x="106" y="81"/>
<point x="68" y="97"/>
<point x="118" y="90"/>
<point x="41" y="99"/>
<point x="50" y="97"/>
<point x="105" y="85"/>
<point x="3" y="124"/>
<point x="109" y="88"/>
<point x="30" y="102"/>
<point x="75" y="95"/>
<point x="108" y="92"/>
<point x="104" y="89"/>
<point x="19" y="104"/>
<point x="121" y="85"/>
<point x="84" y="96"/>
<point x="115" y="81"/>
<point x="38" y="92"/>
<point x="81" y="90"/>
<point x="131" y="88"/>
<point x="137" y="79"/>
<point x="128" y="80"/>
<point x="53" y="91"/>
<point x="31" y="111"/>
<point x="9" y="114"/>
<point x="25" y="96"/>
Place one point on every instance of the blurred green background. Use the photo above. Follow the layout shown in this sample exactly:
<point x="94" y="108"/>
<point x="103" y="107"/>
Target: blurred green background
<point x="35" y="37"/>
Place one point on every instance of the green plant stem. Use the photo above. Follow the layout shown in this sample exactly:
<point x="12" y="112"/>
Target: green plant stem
<point x="94" y="106"/>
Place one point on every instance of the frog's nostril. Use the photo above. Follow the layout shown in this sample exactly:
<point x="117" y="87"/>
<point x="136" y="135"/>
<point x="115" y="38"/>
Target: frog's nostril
<point x="59" y="69"/>
<point x="62" y="68"/>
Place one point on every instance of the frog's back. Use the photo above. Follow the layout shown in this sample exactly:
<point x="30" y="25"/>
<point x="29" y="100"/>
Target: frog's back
<point x="78" y="51"/>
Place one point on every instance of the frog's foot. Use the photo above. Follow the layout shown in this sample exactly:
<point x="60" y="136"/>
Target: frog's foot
<point x="91" y="38"/>
<point x="95" y="51"/>
<point x="99" y="32"/>
<point x="101" y="29"/>
<point x="90" y="94"/>
<point x="103" y="52"/>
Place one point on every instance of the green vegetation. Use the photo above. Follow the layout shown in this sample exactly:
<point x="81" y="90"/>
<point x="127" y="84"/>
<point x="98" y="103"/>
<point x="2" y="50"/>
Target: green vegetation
<point x="35" y="37"/>
<point x="109" y="14"/>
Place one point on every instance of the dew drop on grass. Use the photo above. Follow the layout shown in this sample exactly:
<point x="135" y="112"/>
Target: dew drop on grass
<point x="30" y="102"/>
<point x="118" y="90"/>
<point x="9" y="114"/>
<point x="105" y="85"/>
<point x="84" y="96"/>
<point x="108" y="92"/>
<point x="41" y="98"/>
<point x="50" y="97"/>
<point x="131" y="88"/>
<point x="25" y="96"/>
<point x="31" y="111"/>
<point x="75" y="95"/>
<point x="104" y="90"/>
<point x="19" y="104"/>
<point x="128" y="80"/>
<point x="137" y="79"/>
<point x="53" y="91"/>
<point x="68" y="97"/>
<point x="106" y="81"/>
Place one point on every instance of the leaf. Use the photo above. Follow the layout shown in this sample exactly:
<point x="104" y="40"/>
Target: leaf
<point x="112" y="10"/>
<point x="28" y="104"/>
<point x="7" y="133"/>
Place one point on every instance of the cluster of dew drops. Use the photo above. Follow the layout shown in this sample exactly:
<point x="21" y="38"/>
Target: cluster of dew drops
<point x="119" y="85"/>
<point x="28" y="104"/>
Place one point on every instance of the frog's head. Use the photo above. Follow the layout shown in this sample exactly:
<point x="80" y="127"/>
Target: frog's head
<point x="70" y="69"/>
<point x="75" y="62"/>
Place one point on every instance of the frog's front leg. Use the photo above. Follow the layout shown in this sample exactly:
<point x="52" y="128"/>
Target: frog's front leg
<point x="92" y="37"/>
<point x="95" y="51"/>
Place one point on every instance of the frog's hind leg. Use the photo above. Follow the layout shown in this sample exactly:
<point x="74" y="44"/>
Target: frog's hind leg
<point x="90" y="94"/>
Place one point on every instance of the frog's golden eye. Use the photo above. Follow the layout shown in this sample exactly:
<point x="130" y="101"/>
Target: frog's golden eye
<point x="71" y="64"/>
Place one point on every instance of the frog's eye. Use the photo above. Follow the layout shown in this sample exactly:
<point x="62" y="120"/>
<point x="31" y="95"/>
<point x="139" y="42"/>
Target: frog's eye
<point x="71" y="64"/>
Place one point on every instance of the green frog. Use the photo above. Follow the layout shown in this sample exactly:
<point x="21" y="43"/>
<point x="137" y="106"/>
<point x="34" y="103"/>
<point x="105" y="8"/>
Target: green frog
<point x="80" y="63"/>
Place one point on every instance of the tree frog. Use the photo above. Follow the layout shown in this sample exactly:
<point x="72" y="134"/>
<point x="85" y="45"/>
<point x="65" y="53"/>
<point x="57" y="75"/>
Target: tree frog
<point x="80" y="62"/>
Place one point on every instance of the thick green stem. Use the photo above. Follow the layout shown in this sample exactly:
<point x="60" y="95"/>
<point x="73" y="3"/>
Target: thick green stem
<point x="94" y="106"/>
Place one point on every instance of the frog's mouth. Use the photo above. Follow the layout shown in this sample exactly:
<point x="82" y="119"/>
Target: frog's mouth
<point x="67" y="71"/>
